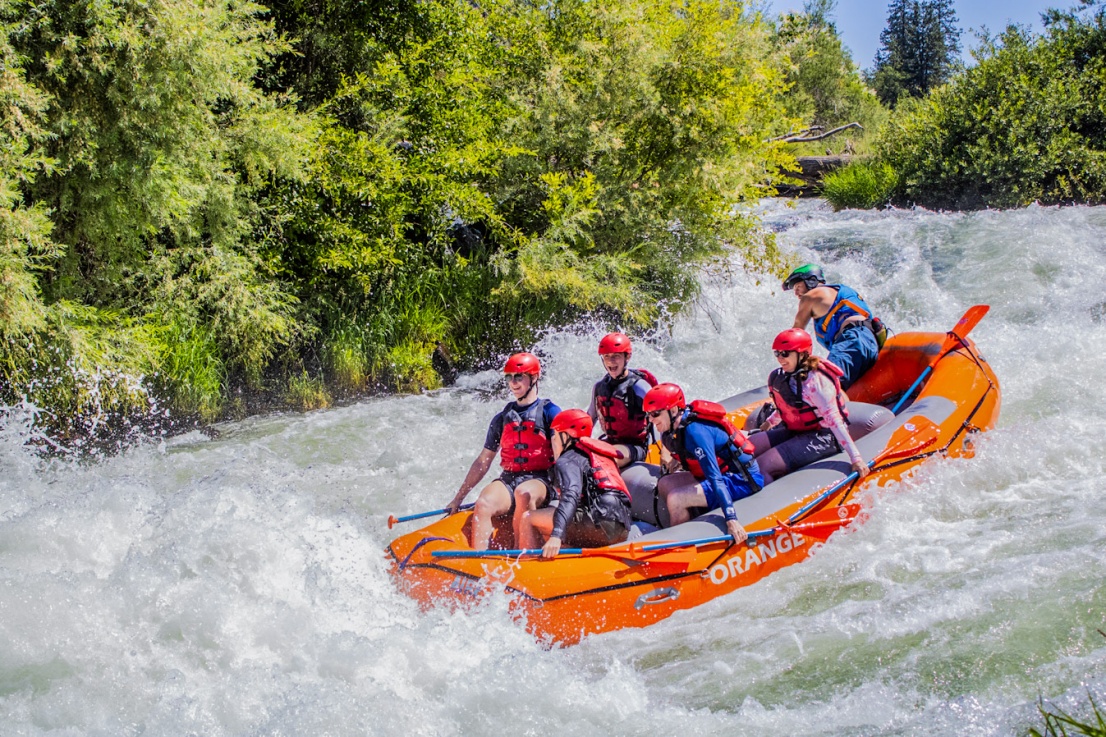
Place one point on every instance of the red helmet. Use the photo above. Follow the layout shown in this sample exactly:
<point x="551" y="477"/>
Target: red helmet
<point x="614" y="343"/>
<point x="793" y="339"/>
<point x="523" y="363"/>
<point x="575" y="422"/>
<point x="664" y="396"/>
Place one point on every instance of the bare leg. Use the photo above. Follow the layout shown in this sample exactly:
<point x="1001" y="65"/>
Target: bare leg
<point x="494" y="499"/>
<point x="529" y="495"/>
<point x="627" y="456"/>
<point x="536" y="527"/>
<point x="670" y="483"/>
<point x="772" y="465"/>
<point x="681" y="499"/>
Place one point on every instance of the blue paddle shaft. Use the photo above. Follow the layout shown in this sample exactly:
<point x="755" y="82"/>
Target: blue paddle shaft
<point x="432" y="512"/>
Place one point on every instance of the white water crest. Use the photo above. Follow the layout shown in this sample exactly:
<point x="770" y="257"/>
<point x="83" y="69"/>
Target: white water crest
<point x="238" y="586"/>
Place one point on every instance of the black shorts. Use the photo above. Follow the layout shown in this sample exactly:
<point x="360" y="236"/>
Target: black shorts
<point x="798" y="449"/>
<point x="512" y="480"/>
<point x="605" y="522"/>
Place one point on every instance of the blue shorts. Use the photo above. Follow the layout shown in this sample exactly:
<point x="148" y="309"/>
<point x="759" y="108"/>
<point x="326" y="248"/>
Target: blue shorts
<point x="854" y="352"/>
<point x="735" y="484"/>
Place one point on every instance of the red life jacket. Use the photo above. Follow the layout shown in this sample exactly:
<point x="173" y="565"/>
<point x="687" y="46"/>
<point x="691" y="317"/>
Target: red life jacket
<point x="731" y="460"/>
<point x="525" y="444"/>
<point x="619" y="406"/>
<point x="605" y="475"/>
<point x="797" y="415"/>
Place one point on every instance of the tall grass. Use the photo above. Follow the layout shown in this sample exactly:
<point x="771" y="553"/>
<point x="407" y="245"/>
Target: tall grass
<point x="1059" y="724"/>
<point x="860" y="186"/>
<point x="192" y="370"/>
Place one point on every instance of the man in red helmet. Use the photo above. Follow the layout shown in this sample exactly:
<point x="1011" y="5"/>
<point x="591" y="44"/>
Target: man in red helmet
<point x="593" y="508"/>
<point x="616" y="400"/>
<point x="716" y="459"/>
<point x="520" y="433"/>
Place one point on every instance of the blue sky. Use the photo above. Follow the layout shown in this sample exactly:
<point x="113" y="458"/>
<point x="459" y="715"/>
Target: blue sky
<point x="859" y="22"/>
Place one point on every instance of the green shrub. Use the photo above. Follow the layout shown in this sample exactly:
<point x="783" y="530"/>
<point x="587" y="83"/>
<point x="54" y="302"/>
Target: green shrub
<point x="860" y="186"/>
<point x="344" y="356"/>
<point x="1025" y="124"/>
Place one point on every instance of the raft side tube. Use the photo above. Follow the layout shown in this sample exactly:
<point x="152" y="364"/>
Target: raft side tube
<point x="791" y="490"/>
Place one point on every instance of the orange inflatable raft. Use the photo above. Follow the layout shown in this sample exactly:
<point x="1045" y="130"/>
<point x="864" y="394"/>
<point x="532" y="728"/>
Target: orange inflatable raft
<point x="943" y="392"/>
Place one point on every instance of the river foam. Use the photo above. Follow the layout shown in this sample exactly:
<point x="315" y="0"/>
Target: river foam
<point x="237" y="585"/>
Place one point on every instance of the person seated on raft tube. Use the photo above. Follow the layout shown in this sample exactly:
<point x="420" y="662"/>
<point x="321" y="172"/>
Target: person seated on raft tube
<point x="521" y="435"/>
<point x="810" y="403"/>
<point x="593" y="507"/>
<point x="616" y="400"/>
<point x="843" y="321"/>
<point x="716" y="458"/>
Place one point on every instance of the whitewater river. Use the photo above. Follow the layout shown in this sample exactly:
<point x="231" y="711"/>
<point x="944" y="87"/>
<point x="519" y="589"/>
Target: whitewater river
<point x="237" y="585"/>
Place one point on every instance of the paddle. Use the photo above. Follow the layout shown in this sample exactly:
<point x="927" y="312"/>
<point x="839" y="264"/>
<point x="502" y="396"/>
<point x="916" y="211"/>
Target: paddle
<point x="913" y="437"/>
<point x="705" y="541"/>
<point x="955" y="338"/>
<point x="824" y="522"/>
<point x="632" y="554"/>
<point x="392" y="519"/>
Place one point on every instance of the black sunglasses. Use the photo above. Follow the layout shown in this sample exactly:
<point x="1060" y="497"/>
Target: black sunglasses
<point x="515" y="377"/>
<point x="783" y="354"/>
<point x="655" y="413"/>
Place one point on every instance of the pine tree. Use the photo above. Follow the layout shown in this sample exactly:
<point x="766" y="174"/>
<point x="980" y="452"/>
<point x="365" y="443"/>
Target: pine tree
<point x="918" y="49"/>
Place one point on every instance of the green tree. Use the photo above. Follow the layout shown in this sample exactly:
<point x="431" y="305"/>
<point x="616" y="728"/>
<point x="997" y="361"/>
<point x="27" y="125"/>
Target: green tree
<point x="25" y="244"/>
<point x="918" y="49"/>
<point x="825" y="86"/>
<point x="1024" y="124"/>
<point x="157" y="141"/>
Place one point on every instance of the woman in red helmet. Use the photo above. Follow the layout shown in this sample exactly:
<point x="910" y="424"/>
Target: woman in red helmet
<point x="593" y="507"/>
<point x="616" y="400"/>
<point x="809" y="421"/>
<point x="712" y="464"/>
<point x="520" y="434"/>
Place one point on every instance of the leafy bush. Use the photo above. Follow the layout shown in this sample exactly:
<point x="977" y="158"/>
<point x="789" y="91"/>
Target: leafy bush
<point x="861" y="185"/>
<point x="1025" y="124"/>
<point x="455" y="175"/>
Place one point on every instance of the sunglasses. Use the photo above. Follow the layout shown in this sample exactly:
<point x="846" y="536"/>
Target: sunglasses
<point x="515" y="377"/>
<point x="783" y="354"/>
<point x="655" y="413"/>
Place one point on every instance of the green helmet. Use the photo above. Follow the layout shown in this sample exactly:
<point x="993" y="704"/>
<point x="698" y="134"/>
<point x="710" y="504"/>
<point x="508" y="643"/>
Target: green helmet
<point x="810" y="274"/>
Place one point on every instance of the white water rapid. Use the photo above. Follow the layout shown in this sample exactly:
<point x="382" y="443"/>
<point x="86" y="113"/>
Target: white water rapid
<point x="237" y="586"/>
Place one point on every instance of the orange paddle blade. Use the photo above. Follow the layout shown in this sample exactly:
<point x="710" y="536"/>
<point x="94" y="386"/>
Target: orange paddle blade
<point x="825" y="522"/>
<point x="914" y="436"/>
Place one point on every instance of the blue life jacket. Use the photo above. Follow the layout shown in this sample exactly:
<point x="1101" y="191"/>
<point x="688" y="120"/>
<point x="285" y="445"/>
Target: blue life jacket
<point x="847" y="304"/>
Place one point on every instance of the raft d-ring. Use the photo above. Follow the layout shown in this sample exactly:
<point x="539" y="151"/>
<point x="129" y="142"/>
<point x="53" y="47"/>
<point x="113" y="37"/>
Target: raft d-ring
<point x="657" y="596"/>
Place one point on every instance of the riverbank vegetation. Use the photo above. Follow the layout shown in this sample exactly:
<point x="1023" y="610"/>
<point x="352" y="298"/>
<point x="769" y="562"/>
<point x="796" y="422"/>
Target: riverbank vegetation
<point x="1024" y="124"/>
<point x="211" y="209"/>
